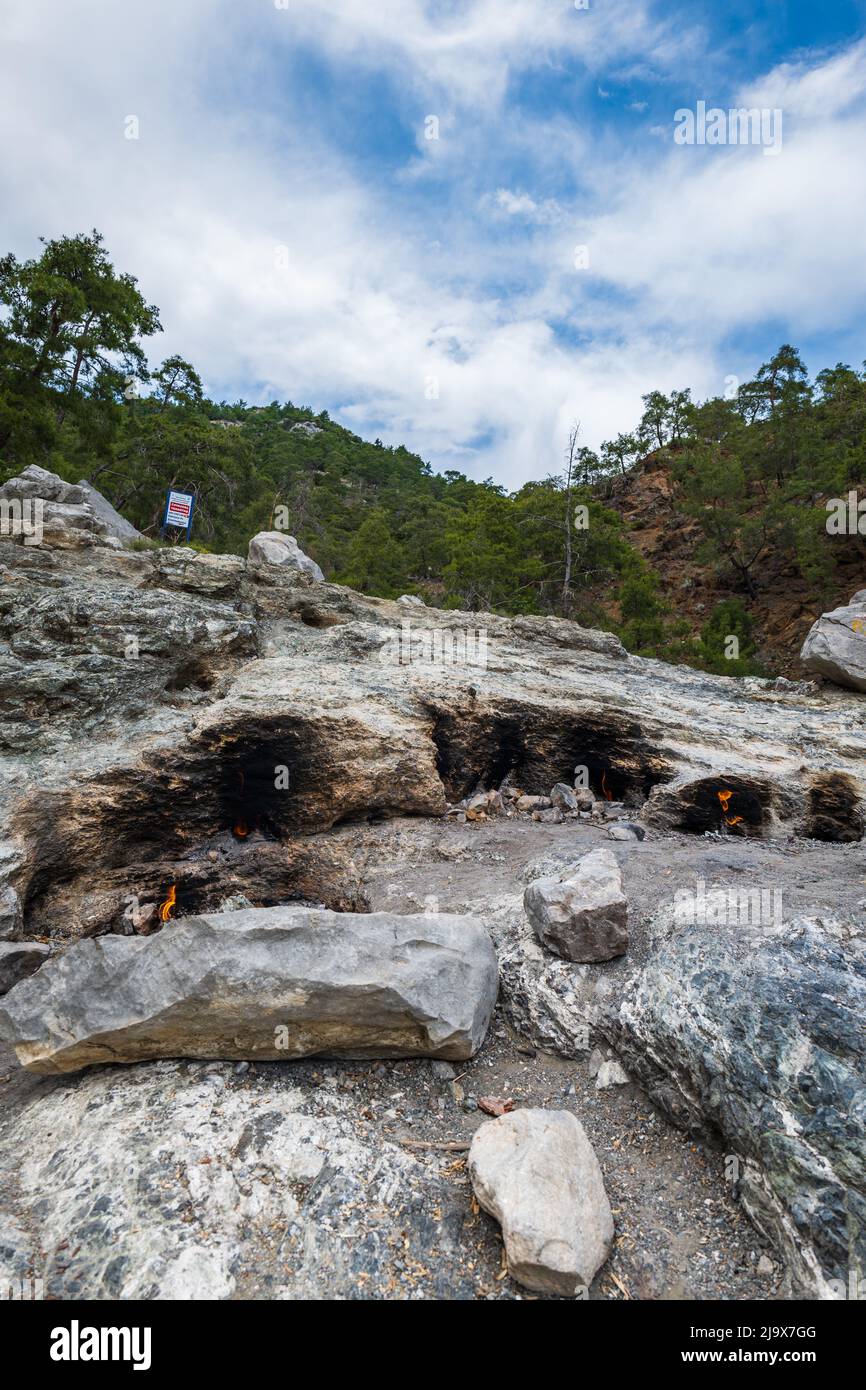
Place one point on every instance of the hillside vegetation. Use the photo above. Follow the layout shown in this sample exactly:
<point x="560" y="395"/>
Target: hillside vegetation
<point x="707" y="522"/>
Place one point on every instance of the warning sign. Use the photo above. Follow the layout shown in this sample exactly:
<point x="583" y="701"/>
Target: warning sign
<point x="178" y="510"/>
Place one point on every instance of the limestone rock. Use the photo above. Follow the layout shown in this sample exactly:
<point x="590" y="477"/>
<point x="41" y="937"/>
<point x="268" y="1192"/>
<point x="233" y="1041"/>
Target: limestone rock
<point x="270" y="983"/>
<point x="277" y="548"/>
<point x="756" y="1036"/>
<point x="18" y="959"/>
<point x="412" y="601"/>
<point x="836" y="644"/>
<point x="536" y="1173"/>
<point x="583" y="917"/>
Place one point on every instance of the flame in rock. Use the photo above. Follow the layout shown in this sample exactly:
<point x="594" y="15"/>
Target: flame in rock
<point x="165" y="909"/>
<point x="724" y="798"/>
<point x="608" y="795"/>
<point x="241" y="830"/>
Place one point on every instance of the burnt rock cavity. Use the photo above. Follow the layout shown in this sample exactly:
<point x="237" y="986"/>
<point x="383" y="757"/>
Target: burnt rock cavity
<point x="735" y="805"/>
<point x="834" y="810"/>
<point x="480" y="746"/>
<point x="235" y="810"/>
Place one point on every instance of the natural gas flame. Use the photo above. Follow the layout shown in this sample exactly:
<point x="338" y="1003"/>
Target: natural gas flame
<point x="724" y="798"/>
<point x="604" y="787"/>
<point x="165" y="909"/>
<point x="241" y="830"/>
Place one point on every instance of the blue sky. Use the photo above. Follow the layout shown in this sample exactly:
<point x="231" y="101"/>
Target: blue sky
<point x="305" y="240"/>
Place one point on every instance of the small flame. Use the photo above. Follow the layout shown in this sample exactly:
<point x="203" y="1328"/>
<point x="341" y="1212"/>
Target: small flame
<point x="241" y="830"/>
<point x="166" y="907"/>
<point x="724" y="798"/>
<point x="604" y="787"/>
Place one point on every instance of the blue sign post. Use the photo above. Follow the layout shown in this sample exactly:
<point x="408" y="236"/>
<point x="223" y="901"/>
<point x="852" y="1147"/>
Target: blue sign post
<point x="178" y="511"/>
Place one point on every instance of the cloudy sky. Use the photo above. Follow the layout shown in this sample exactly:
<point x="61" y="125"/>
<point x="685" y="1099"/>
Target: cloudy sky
<point x="307" y="236"/>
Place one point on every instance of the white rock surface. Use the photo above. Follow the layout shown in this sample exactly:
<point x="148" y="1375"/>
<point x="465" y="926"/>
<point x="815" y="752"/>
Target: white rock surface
<point x="536" y="1172"/>
<point x="277" y="548"/>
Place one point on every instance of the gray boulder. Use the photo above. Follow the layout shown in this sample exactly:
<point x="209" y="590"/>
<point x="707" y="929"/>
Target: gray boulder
<point x="836" y="644"/>
<point x="581" y="914"/>
<point x="18" y="959"/>
<point x="536" y="1173"/>
<point x="271" y="983"/>
<point x="277" y="548"/>
<point x="757" y="1038"/>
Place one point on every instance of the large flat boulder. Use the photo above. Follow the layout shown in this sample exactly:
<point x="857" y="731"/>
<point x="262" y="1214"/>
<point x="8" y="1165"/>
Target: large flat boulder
<point x="756" y="1037"/>
<point x="536" y="1172"/>
<point x="265" y="983"/>
<point x="836" y="644"/>
<point x="277" y="548"/>
<point x="581" y="914"/>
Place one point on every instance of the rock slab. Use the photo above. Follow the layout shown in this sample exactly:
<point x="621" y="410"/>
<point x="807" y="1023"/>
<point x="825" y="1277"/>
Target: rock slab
<point x="536" y="1173"/>
<point x="264" y="983"/>
<point x="581" y="914"/>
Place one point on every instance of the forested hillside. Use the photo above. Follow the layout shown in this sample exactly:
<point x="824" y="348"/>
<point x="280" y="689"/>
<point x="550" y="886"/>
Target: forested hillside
<point x="678" y="535"/>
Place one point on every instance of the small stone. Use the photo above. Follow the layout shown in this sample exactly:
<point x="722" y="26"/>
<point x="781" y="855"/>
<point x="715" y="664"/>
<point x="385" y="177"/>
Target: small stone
<point x="533" y="803"/>
<point x="536" y="1173"/>
<point x="610" y="1073"/>
<point x="766" y="1266"/>
<point x="563" y="797"/>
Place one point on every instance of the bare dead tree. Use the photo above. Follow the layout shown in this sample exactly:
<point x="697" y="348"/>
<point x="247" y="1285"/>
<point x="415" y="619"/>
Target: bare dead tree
<point x="570" y="470"/>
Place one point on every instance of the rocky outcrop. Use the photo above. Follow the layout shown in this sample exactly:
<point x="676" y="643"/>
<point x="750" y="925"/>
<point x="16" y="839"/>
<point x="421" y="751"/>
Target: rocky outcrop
<point x="263" y="983"/>
<point x="277" y="548"/>
<point x="64" y="516"/>
<point x="582" y="915"/>
<point x="536" y="1173"/>
<point x="756" y="1037"/>
<point x="836" y="645"/>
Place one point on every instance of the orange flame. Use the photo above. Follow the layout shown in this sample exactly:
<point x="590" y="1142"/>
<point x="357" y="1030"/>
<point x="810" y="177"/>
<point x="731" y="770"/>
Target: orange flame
<point x="604" y="787"/>
<point x="242" y="830"/>
<point x="166" y="907"/>
<point x="724" y="798"/>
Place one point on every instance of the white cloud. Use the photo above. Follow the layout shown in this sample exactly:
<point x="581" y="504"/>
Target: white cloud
<point x="480" y="291"/>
